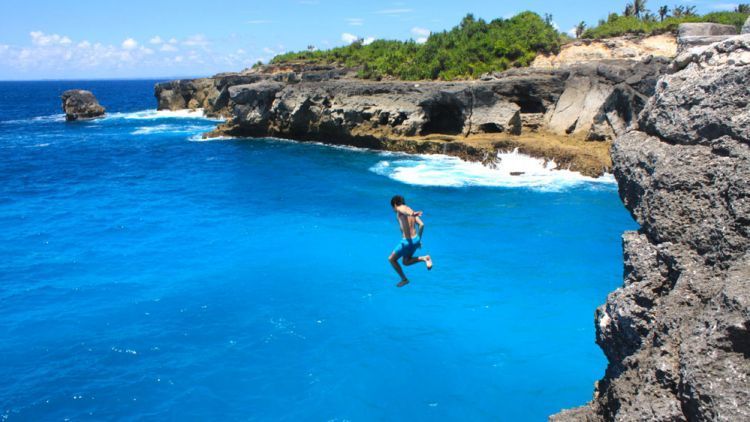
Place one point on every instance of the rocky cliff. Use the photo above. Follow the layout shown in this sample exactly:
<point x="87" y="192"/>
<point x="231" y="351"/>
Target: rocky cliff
<point x="677" y="333"/>
<point x="635" y="48"/>
<point x="562" y="108"/>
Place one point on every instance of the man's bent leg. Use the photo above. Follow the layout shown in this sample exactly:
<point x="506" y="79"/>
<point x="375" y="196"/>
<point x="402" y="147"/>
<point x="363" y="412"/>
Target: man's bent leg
<point x="393" y="259"/>
<point x="426" y="259"/>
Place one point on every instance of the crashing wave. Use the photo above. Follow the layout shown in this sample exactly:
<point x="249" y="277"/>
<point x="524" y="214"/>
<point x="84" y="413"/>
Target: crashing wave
<point x="513" y="170"/>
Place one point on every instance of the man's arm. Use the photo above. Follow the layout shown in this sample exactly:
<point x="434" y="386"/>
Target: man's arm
<point x="421" y="225"/>
<point x="406" y="211"/>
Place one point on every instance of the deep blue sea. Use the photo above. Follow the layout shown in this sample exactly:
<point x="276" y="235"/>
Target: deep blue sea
<point x="148" y="275"/>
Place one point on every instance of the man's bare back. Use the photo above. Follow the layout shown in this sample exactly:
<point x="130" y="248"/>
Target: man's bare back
<point x="406" y="221"/>
<point x="412" y="227"/>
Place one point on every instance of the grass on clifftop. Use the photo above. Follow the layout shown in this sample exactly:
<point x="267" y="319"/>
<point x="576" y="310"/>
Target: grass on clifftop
<point x="468" y="50"/>
<point x="476" y="47"/>
<point x="617" y="25"/>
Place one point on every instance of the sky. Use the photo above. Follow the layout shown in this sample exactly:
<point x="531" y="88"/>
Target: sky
<point x="86" y="39"/>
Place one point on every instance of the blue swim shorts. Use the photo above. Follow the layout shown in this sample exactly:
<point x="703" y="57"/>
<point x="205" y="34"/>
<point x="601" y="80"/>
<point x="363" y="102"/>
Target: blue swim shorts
<point x="407" y="247"/>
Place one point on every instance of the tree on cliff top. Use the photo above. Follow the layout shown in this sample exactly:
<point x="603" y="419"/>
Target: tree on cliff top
<point x="580" y="28"/>
<point x="663" y="12"/>
<point x="644" y="22"/>
<point x="470" y="49"/>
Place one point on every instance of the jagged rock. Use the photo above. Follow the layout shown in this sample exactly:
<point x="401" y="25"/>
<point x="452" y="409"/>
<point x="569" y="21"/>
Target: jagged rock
<point x="698" y="34"/>
<point x="578" y="105"/>
<point x="601" y="101"/>
<point x="716" y="82"/>
<point x="79" y="104"/>
<point x="746" y="26"/>
<point x="593" y="101"/>
<point x="677" y="333"/>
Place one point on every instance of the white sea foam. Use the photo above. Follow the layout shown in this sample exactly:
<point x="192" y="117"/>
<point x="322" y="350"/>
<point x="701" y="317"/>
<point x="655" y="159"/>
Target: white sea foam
<point x="162" y="114"/>
<point x="38" y="119"/>
<point x="168" y="128"/>
<point x="199" y="138"/>
<point x="442" y="170"/>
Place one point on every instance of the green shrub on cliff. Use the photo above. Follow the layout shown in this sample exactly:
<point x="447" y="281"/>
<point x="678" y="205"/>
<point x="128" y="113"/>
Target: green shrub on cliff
<point x="617" y="25"/>
<point x="468" y="50"/>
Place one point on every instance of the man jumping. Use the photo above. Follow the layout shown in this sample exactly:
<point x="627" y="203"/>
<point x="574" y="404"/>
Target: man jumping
<point x="412" y="240"/>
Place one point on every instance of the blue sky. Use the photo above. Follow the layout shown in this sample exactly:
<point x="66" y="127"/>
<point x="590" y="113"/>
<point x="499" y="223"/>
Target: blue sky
<point x="41" y="39"/>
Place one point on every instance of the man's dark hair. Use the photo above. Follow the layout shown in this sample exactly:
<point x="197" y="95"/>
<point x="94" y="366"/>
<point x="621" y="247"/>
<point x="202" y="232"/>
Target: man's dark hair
<point x="397" y="200"/>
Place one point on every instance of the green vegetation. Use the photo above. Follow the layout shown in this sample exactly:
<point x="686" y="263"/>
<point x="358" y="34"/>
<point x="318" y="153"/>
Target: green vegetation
<point x="475" y="46"/>
<point x="470" y="49"/>
<point x="637" y="19"/>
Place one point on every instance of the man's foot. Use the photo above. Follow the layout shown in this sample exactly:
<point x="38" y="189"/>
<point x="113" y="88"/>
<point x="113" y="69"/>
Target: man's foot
<point x="403" y="283"/>
<point x="428" y="261"/>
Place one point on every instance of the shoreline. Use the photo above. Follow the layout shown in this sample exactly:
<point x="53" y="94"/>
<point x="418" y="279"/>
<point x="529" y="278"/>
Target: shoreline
<point x="590" y="159"/>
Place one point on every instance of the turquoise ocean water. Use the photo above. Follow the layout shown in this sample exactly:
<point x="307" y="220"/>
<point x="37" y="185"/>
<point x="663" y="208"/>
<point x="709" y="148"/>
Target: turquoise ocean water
<point x="147" y="275"/>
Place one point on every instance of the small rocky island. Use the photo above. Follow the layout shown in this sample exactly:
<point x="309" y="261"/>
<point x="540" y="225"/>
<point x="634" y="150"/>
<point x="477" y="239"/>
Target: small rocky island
<point x="80" y="104"/>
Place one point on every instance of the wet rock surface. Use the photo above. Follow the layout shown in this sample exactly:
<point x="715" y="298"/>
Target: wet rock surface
<point x="677" y="333"/>
<point x="79" y="104"/>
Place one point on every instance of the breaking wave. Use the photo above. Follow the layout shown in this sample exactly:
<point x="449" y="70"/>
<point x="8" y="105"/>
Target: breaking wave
<point x="162" y="114"/>
<point x="513" y="170"/>
<point x="169" y="128"/>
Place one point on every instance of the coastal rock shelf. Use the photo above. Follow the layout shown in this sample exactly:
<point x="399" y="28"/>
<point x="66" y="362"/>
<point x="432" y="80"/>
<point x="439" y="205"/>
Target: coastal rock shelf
<point x="546" y="113"/>
<point x="677" y="334"/>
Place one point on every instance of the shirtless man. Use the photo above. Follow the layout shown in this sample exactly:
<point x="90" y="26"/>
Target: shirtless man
<point x="412" y="239"/>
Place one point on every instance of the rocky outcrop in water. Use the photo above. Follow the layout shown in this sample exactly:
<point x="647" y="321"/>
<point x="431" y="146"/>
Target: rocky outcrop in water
<point x="677" y="334"/>
<point x="594" y="102"/>
<point x="79" y="104"/>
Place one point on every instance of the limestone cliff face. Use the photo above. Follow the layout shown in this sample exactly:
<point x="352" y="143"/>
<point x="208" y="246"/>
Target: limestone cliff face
<point x="677" y="334"/>
<point x="620" y="48"/>
<point x="595" y="102"/>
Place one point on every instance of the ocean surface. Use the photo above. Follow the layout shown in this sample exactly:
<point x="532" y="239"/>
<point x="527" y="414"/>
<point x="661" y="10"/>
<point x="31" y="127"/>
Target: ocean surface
<point x="147" y="274"/>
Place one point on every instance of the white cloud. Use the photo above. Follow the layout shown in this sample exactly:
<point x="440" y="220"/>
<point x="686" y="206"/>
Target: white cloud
<point x="197" y="40"/>
<point x="368" y="40"/>
<point x="355" y="21"/>
<point x="421" y="34"/>
<point x="556" y="26"/>
<point x="572" y="32"/>
<point x="348" y="38"/>
<point x="393" y="11"/>
<point x="129" y="44"/>
<point x="46" y="55"/>
<point x="41" y="39"/>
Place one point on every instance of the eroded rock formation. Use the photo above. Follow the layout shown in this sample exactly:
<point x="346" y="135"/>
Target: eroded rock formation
<point x="700" y="34"/>
<point x="633" y="48"/>
<point x="677" y="334"/>
<point x="594" y="102"/>
<point x="79" y="104"/>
